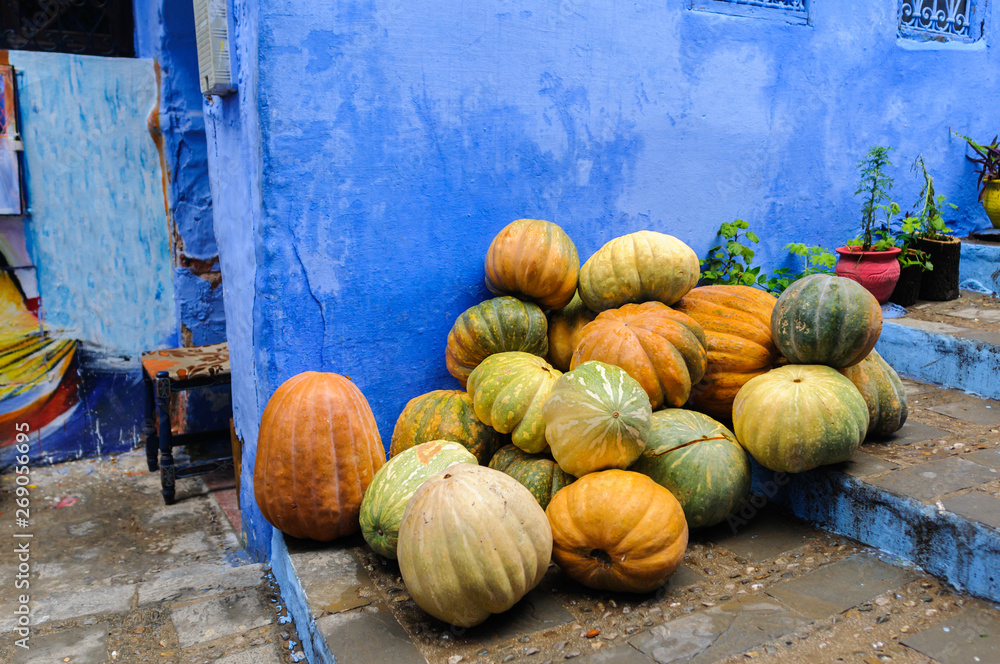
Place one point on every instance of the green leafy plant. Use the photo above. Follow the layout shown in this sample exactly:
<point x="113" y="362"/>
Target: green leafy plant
<point x="906" y="239"/>
<point x="874" y="188"/>
<point x="988" y="160"/>
<point x="816" y="260"/>
<point x="928" y="220"/>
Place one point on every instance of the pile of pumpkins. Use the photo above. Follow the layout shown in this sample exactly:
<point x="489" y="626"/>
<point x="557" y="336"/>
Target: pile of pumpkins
<point x="588" y="435"/>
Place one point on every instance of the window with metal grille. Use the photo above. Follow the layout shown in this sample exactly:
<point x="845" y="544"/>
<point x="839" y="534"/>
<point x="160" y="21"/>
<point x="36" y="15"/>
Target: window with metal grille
<point x="941" y="20"/>
<point x="793" y="11"/>
<point x="85" y="27"/>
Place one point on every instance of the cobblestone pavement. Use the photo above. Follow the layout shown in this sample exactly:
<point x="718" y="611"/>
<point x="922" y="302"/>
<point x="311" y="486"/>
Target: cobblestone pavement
<point x="117" y="576"/>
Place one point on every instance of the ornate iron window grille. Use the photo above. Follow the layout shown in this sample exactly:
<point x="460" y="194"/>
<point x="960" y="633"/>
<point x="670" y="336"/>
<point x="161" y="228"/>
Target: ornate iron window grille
<point x="948" y="19"/>
<point x="85" y="27"/>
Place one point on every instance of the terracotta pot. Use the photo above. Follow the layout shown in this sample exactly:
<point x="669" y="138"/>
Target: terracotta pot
<point x="991" y="201"/>
<point x="941" y="283"/>
<point x="878" y="271"/>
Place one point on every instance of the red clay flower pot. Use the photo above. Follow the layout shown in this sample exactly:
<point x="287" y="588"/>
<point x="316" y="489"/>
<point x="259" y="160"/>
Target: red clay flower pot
<point x="878" y="271"/>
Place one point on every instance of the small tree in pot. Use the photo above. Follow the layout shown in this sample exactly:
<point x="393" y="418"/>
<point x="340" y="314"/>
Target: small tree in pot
<point x="870" y="258"/>
<point x="932" y="241"/>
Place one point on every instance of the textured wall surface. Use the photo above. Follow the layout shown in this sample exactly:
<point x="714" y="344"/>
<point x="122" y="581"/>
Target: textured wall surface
<point x="395" y="140"/>
<point x="97" y="223"/>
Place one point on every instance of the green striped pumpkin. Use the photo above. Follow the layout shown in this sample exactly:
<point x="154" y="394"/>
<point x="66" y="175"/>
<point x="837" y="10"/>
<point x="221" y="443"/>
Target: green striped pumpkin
<point x="596" y="417"/>
<point x="444" y="415"/>
<point x="879" y="384"/>
<point x="800" y="416"/>
<point x="495" y="326"/>
<point x="508" y="390"/>
<point x="821" y="319"/>
<point x="394" y="484"/>
<point x="700" y="461"/>
<point x="538" y="472"/>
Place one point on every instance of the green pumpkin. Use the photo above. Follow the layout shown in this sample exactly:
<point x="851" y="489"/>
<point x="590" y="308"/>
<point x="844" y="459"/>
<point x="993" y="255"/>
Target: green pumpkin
<point x="879" y="384"/>
<point x="445" y="415"/>
<point x="699" y="461"/>
<point x="821" y="319"/>
<point x="538" y="472"/>
<point x="508" y="390"/>
<point x="799" y="417"/>
<point x="596" y="417"/>
<point x="495" y="326"/>
<point x="394" y="484"/>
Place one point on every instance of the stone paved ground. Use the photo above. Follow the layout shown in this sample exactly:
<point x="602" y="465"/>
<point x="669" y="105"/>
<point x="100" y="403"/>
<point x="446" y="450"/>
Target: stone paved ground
<point x="117" y="576"/>
<point x="971" y="315"/>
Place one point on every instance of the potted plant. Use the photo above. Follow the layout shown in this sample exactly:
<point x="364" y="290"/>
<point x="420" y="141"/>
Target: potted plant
<point x="912" y="263"/>
<point x="989" y="176"/>
<point x="930" y="236"/>
<point x="870" y="258"/>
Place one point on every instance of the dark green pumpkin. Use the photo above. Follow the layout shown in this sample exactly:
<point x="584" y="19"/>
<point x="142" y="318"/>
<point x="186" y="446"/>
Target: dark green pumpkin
<point x="445" y="415"/>
<point x="883" y="391"/>
<point x="538" y="472"/>
<point x="821" y="319"/>
<point x="699" y="461"/>
<point x="495" y="326"/>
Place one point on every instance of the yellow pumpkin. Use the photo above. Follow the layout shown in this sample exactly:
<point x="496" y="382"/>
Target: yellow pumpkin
<point x="565" y="326"/>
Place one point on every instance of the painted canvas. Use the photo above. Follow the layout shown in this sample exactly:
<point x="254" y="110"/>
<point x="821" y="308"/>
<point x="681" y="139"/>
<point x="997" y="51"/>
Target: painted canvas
<point x="10" y="164"/>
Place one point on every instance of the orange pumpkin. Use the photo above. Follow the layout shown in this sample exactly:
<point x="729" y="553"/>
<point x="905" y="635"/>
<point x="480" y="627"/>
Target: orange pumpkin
<point x="663" y="349"/>
<point x="617" y="530"/>
<point x="533" y="259"/>
<point x="737" y="325"/>
<point x="565" y="326"/>
<point x="317" y="452"/>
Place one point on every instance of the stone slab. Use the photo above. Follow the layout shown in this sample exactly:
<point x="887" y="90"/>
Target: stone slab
<point x="352" y="635"/>
<point x="975" y="505"/>
<point x="988" y="458"/>
<point x="834" y="588"/>
<point x="333" y="580"/>
<point x="930" y="326"/>
<point x="767" y="534"/>
<point x="198" y="580"/>
<point x="719" y="632"/>
<point x="624" y="654"/>
<point x="94" y="601"/>
<point x="913" y="432"/>
<point x="975" y="313"/>
<point x="264" y="654"/>
<point x="863" y="464"/>
<point x="83" y="645"/>
<point x="683" y="577"/>
<point x="981" y="412"/>
<point x="538" y="610"/>
<point x="929" y="481"/>
<point x="217" y="617"/>
<point x="992" y="338"/>
<point x="967" y="637"/>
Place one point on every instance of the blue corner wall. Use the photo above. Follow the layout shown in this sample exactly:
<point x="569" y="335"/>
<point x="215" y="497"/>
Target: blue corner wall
<point x="374" y="149"/>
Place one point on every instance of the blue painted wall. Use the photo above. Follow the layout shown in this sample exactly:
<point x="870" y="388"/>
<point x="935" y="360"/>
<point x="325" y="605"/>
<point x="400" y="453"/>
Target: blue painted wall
<point x="395" y="140"/>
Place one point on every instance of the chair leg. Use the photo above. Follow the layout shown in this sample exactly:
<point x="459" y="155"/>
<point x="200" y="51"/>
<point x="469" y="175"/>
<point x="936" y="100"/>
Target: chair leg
<point x="167" y="477"/>
<point x="149" y="436"/>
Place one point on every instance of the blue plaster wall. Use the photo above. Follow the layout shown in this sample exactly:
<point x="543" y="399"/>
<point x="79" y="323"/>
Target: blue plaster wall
<point x="395" y="140"/>
<point x="96" y="225"/>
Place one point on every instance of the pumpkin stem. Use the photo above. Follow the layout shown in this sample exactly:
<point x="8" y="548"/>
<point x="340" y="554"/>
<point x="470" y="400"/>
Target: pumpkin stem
<point x="602" y="557"/>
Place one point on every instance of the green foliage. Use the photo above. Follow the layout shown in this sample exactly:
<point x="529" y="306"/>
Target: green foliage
<point x="731" y="261"/>
<point x="928" y="221"/>
<point x="875" y="187"/>
<point x="988" y="160"/>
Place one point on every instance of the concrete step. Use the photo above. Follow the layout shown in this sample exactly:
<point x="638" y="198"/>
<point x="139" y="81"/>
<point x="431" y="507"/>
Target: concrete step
<point x="979" y="267"/>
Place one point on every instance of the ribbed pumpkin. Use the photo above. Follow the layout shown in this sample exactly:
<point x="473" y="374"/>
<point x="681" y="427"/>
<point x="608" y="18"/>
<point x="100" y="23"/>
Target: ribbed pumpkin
<point x="800" y="416"/>
<point x="533" y="259"/>
<point x="317" y="451"/>
<point x="882" y="390"/>
<point x="495" y="326"/>
<point x="638" y="267"/>
<point x="737" y="325"/>
<point x="565" y="326"/>
<point x="445" y="415"/>
<point x="828" y="320"/>
<point x="661" y="348"/>
<point x="473" y="542"/>
<point x="617" y="530"/>
<point x="596" y="417"/>
<point x="699" y="461"/>
<point x="539" y="473"/>
<point x="508" y="390"/>
<point x="394" y="485"/>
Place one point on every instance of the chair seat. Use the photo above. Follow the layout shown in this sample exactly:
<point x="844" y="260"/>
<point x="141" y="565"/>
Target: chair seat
<point x="189" y="364"/>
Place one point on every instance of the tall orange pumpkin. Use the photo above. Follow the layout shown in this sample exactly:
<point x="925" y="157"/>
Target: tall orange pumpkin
<point x="664" y="350"/>
<point x="317" y="452"/>
<point x="617" y="530"/>
<point x="737" y="325"/>
<point x="535" y="260"/>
